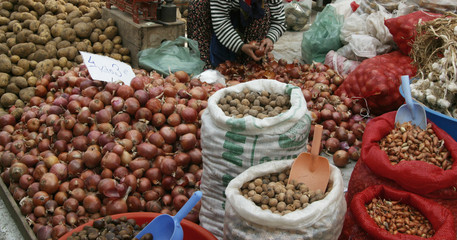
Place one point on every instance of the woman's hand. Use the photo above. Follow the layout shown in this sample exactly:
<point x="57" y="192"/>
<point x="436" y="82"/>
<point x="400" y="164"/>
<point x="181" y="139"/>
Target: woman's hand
<point x="266" y="45"/>
<point x="249" y="50"/>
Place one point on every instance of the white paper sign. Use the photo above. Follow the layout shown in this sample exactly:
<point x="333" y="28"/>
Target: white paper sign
<point x="107" y="69"/>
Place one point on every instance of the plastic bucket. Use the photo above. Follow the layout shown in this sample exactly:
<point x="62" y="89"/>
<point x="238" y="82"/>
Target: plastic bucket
<point x="191" y="230"/>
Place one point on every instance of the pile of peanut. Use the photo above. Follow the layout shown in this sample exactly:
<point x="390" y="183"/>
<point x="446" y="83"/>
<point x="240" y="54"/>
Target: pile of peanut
<point x="407" y="142"/>
<point x="397" y="217"/>
<point x="273" y="192"/>
<point x="257" y="104"/>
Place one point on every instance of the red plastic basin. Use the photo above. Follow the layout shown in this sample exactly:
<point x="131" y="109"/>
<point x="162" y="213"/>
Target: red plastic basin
<point x="191" y="230"/>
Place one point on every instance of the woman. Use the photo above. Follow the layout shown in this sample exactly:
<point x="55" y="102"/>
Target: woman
<point x="224" y="28"/>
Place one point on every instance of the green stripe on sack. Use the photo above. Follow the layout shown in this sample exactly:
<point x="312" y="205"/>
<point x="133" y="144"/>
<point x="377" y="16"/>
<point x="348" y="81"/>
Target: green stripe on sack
<point x="236" y="124"/>
<point x="234" y="145"/>
<point x="225" y="181"/>
<point x="294" y="136"/>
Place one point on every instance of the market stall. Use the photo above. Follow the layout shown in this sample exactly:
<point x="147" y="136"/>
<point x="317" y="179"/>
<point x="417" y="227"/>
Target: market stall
<point x="90" y="146"/>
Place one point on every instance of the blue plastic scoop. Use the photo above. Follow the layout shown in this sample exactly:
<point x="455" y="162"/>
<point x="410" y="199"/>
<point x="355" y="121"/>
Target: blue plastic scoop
<point x="411" y="111"/>
<point x="166" y="227"/>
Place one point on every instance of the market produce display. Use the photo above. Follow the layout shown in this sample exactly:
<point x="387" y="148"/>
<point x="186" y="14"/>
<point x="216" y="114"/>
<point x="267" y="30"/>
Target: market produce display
<point x="320" y="219"/>
<point x="85" y="146"/>
<point x="231" y="145"/>
<point x="77" y="153"/>
<point x="344" y="118"/>
<point x="434" y="52"/>
<point x="382" y="211"/>
<point x="38" y="37"/>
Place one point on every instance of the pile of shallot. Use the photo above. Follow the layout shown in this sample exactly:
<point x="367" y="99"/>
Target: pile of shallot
<point x="84" y="149"/>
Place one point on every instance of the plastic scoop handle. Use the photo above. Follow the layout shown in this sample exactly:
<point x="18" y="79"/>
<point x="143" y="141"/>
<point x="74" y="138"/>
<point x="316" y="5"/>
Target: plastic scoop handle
<point x="317" y="137"/>
<point x="407" y="93"/>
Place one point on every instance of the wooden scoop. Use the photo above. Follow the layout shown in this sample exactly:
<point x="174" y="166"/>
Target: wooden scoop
<point x="312" y="169"/>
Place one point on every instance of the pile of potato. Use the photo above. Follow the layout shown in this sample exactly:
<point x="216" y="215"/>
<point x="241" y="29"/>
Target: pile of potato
<point x="40" y="36"/>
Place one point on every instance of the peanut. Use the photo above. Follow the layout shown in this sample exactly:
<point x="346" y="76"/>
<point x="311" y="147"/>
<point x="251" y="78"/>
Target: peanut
<point x="410" y="143"/>
<point x="397" y="217"/>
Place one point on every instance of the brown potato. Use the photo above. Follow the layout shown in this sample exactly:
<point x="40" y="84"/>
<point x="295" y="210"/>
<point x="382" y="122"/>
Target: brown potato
<point x="5" y="64"/>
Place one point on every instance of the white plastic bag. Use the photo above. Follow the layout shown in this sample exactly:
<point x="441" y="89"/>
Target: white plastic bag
<point x="366" y="36"/>
<point x="343" y="7"/>
<point x="297" y="14"/>
<point x="321" y="219"/>
<point x="342" y="65"/>
<point x="352" y="25"/>
<point x="363" y="45"/>
<point x="376" y="27"/>
<point x="231" y="145"/>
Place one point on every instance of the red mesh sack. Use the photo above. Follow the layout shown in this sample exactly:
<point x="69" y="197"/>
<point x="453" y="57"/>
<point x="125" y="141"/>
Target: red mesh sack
<point x="403" y="28"/>
<point x="440" y="217"/>
<point x="361" y="178"/>
<point x="377" y="80"/>
<point x="415" y="176"/>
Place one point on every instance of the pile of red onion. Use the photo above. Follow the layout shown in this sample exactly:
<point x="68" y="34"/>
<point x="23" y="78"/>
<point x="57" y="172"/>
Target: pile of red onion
<point x="84" y="149"/>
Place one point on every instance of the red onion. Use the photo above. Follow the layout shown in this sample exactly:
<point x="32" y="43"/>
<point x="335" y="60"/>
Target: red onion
<point x="340" y="158"/>
<point x="179" y="201"/>
<point x="158" y="119"/>
<point x="332" y="144"/>
<point x="195" y="156"/>
<point x="146" y="150"/>
<point x="125" y="91"/>
<point x="154" y="105"/>
<point x="111" y="161"/>
<point x="60" y="170"/>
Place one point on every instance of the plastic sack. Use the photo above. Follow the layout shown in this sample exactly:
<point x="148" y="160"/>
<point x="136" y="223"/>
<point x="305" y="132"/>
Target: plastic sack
<point x="231" y="145"/>
<point x="415" y="176"/>
<point x="366" y="35"/>
<point x="367" y="7"/>
<point x="436" y="6"/>
<point x="362" y="178"/>
<point x="403" y="28"/>
<point x="173" y="56"/>
<point x="323" y="36"/>
<point x="364" y="46"/>
<point x="389" y="5"/>
<point x="440" y="217"/>
<point x="352" y="26"/>
<point x="377" y="80"/>
<point x="342" y="65"/>
<point x="297" y="14"/>
<point x="377" y="29"/>
<point x="344" y="7"/>
<point x="321" y="219"/>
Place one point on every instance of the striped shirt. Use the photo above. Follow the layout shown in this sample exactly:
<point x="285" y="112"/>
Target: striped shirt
<point x="225" y="32"/>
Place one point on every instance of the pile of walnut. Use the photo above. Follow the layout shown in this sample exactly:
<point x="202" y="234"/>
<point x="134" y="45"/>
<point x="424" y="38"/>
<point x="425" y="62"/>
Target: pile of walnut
<point x="259" y="105"/>
<point x="272" y="192"/>
<point x="407" y="142"/>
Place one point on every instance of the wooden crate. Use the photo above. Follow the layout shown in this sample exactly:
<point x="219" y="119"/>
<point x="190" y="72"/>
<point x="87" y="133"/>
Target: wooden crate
<point x="15" y="213"/>
<point x="139" y="9"/>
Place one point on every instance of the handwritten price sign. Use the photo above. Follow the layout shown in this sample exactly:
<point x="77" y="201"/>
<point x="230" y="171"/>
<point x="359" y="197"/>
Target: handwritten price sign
<point x="107" y="69"/>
